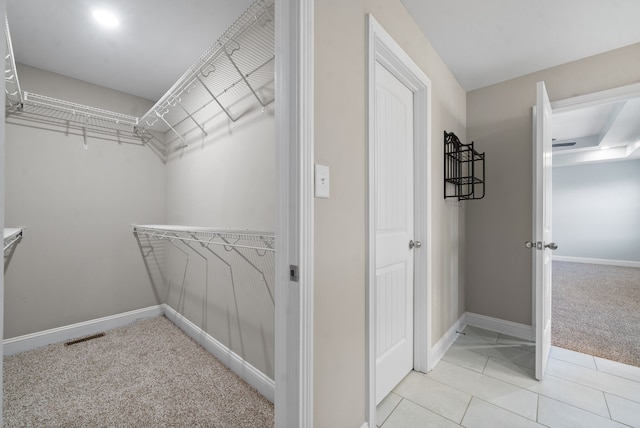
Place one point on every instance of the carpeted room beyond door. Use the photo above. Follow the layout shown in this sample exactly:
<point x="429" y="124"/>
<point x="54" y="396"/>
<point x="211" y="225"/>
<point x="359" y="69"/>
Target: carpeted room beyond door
<point x="147" y="374"/>
<point x="596" y="310"/>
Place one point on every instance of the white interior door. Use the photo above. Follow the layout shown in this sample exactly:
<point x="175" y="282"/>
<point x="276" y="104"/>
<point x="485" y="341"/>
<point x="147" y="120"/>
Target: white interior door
<point x="393" y="219"/>
<point x="542" y="228"/>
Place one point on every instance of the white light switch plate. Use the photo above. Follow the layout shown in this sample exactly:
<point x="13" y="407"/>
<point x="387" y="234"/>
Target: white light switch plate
<point x="322" y="181"/>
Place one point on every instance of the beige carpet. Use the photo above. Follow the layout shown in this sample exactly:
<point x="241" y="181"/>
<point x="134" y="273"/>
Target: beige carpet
<point x="596" y="310"/>
<point x="147" y="374"/>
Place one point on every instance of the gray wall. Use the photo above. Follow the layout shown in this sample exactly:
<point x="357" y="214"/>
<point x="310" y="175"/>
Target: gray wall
<point x="340" y="249"/>
<point x="498" y="270"/>
<point x="228" y="181"/>
<point x="78" y="259"/>
<point x="596" y="210"/>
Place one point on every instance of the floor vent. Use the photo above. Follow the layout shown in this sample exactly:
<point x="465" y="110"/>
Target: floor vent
<point x="83" y="339"/>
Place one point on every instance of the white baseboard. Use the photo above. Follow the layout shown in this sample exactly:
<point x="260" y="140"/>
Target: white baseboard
<point x="365" y="425"/>
<point x="521" y="331"/>
<point x="233" y="361"/>
<point x="625" y="263"/>
<point x="73" y="331"/>
<point x="442" y="346"/>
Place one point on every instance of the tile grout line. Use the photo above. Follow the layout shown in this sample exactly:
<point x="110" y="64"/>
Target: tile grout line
<point x="597" y="389"/>
<point x="606" y="402"/>
<point x="433" y="411"/>
<point x="466" y="410"/>
<point x="391" y="412"/>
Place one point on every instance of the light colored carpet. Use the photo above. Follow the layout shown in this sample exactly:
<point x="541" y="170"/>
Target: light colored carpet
<point x="596" y="310"/>
<point x="146" y="374"/>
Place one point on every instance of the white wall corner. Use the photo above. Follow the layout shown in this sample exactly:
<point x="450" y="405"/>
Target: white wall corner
<point x="73" y="331"/>
<point x="442" y="346"/>
<point x="521" y="331"/>
<point x="254" y="377"/>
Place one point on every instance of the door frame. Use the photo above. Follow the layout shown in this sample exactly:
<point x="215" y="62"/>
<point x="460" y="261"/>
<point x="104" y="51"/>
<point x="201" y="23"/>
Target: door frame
<point x="382" y="48"/>
<point x="294" y="46"/>
<point x="610" y="95"/>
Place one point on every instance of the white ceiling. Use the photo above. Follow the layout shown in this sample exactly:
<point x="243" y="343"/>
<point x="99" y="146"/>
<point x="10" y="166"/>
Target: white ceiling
<point x="155" y="43"/>
<point x="482" y="42"/>
<point x="490" y="41"/>
<point x="599" y="133"/>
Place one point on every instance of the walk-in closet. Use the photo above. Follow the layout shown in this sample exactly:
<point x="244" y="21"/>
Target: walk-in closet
<point x="140" y="211"/>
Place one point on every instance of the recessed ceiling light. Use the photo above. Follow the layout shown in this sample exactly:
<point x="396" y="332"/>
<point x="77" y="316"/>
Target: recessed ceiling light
<point x="106" y="18"/>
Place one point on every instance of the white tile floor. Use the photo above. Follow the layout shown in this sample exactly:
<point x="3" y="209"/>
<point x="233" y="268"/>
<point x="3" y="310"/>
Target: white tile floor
<point x="487" y="380"/>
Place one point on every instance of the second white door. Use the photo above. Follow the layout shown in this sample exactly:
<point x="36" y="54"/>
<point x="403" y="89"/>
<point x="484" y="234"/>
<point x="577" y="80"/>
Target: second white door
<point x="393" y="217"/>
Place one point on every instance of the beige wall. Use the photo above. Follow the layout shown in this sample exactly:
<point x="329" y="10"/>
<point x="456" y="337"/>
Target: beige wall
<point x="78" y="259"/>
<point x="339" y="359"/>
<point x="499" y="121"/>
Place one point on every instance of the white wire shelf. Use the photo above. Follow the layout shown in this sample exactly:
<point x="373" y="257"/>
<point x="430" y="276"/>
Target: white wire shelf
<point x="239" y="250"/>
<point x="260" y="241"/>
<point x="13" y="94"/>
<point x="12" y="235"/>
<point x="240" y="64"/>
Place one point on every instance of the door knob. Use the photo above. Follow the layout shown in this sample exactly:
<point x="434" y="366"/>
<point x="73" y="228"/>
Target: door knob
<point x="533" y="245"/>
<point x="538" y="245"/>
<point x="416" y="244"/>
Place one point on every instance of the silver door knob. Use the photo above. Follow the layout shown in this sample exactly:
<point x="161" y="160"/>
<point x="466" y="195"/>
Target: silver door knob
<point x="530" y="244"/>
<point x="416" y="244"/>
<point x="551" y="246"/>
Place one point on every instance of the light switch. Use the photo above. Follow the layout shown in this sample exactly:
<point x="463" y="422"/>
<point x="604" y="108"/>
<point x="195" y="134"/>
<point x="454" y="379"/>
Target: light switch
<point x="322" y="181"/>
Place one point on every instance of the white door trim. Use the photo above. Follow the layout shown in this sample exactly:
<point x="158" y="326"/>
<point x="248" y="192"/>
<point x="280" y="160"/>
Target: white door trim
<point x="294" y="227"/>
<point x="2" y="134"/>
<point x="382" y="48"/>
<point x="580" y="101"/>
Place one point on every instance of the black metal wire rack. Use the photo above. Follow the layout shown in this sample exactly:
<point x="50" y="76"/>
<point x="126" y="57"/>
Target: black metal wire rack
<point x="464" y="169"/>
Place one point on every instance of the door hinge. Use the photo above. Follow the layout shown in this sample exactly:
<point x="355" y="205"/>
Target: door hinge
<point x="293" y="273"/>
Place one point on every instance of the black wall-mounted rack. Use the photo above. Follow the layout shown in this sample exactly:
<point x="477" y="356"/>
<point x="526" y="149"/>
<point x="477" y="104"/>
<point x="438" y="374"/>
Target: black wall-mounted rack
<point x="463" y="168"/>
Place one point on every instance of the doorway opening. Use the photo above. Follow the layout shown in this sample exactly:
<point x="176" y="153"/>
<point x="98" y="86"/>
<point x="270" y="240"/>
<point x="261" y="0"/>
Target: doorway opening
<point x="608" y="143"/>
<point x="596" y="207"/>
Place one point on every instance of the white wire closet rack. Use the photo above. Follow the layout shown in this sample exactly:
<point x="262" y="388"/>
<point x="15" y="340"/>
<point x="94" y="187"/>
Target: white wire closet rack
<point x="239" y="66"/>
<point x="13" y="94"/>
<point x="12" y="235"/>
<point x="246" y="246"/>
<point x="259" y="241"/>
